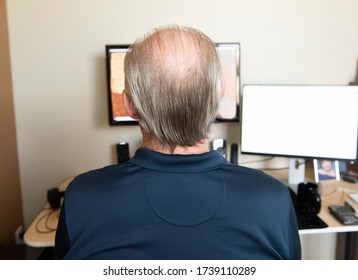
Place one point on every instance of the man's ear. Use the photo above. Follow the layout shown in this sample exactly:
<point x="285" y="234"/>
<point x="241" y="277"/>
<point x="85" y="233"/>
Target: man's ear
<point x="129" y="106"/>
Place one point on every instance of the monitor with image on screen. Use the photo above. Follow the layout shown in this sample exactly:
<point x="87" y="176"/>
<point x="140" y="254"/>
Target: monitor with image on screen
<point x="229" y="54"/>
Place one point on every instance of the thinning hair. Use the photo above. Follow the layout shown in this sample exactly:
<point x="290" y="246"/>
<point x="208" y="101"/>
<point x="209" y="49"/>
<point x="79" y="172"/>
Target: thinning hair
<point x="173" y="78"/>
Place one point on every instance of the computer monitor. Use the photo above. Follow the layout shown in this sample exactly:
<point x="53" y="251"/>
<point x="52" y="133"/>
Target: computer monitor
<point x="115" y="55"/>
<point x="300" y="122"/>
<point x="230" y="61"/>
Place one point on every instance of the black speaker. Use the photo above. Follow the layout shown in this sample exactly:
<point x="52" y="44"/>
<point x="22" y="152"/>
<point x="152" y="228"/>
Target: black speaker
<point x="308" y="198"/>
<point x="54" y="197"/>
<point x="234" y="153"/>
<point x="122" y="152"/>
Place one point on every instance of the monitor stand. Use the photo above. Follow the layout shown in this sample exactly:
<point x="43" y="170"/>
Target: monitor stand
<point x="296" y="173"/>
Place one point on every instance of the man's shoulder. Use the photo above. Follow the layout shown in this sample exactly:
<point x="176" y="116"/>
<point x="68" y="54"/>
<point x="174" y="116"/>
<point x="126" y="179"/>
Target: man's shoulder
<point x="256" y="175"/>
<point x="254" y="180"/>
<point x="101" y="177"/>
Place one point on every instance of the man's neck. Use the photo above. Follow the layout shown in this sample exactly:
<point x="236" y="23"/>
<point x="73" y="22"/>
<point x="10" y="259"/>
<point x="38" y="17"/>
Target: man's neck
<point x="155" y="145"/>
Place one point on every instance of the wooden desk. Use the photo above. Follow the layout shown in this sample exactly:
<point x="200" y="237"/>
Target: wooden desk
<point x="42" y="231"/>
<point x="332" y="192"/>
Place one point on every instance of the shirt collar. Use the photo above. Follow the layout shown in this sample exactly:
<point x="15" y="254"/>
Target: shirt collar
<point x="178" y="163"/>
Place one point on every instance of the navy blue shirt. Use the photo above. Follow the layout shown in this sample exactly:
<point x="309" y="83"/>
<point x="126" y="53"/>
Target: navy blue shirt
<point x="158" y="206"/>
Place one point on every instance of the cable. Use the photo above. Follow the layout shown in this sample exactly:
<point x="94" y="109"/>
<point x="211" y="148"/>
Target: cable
<point x="270" y="158"/>
<point x="255" y="161"/>
<point x="279" y="168"/>
<point x="46" y="223"/>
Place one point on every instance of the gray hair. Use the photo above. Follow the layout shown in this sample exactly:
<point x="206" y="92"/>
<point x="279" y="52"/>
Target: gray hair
<point x="173" y="77"/>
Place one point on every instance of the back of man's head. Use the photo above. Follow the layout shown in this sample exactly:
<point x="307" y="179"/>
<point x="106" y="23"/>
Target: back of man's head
<point x="173" y="78"/>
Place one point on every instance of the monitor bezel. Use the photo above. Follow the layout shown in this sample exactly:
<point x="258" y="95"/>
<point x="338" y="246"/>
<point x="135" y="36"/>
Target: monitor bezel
<point x="112" y="120"/>
<point x="236" y="118"/>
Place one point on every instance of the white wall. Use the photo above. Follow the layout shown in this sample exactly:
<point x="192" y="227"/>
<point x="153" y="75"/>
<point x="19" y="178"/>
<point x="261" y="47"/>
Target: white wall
<point x="58" y="68"/>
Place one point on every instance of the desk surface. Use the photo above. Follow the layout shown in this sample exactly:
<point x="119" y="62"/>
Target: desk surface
<point x="41" y="232"/>
<point x="332" y="192"/>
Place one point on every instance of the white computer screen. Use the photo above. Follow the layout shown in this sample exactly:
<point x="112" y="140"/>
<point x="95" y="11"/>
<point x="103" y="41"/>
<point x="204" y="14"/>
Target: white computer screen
<point x="300" y="121"/>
